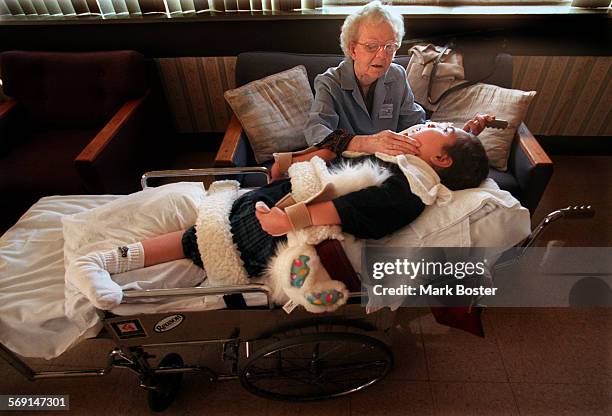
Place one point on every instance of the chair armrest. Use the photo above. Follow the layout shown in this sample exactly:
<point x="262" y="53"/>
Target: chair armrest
<point x="531" y="167"/>
<point x="109" y="131"/>
<point x="233" y="150"/>
<point x="537" y="156"/>
<point x="118" y="155"/>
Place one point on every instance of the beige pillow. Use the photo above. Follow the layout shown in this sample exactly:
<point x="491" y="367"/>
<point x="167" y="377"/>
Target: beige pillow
<point x="503" y="103"/>
<point x="273" y="111"/>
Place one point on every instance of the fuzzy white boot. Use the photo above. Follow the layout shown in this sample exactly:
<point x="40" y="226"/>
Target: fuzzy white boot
<point x="306" y="282"/>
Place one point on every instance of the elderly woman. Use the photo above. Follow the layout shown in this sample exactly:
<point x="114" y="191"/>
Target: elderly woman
<point x="367" y="96"/>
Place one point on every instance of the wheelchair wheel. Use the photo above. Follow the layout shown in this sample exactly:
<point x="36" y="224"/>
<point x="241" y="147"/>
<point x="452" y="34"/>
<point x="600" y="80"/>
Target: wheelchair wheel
<point x="316" y="366"/>
<point x="165" y="386"/>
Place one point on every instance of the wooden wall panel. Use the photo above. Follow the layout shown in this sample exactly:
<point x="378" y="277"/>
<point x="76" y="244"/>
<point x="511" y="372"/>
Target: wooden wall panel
<point x="194" y="89"/>
<point x="574" y="94"/>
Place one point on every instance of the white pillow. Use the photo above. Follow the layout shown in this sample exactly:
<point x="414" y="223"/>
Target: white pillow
<point x="273" y="111"/>
<point x="130" y="218"/>
<point x="506" y="104"/>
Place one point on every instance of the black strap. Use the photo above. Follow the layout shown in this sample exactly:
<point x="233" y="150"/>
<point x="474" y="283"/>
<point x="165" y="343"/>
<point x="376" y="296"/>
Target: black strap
<point x="457" y="87"/>
<point x="235" y="301"/>
<point x="337" y="264"/>
<point x="434" y="70"/>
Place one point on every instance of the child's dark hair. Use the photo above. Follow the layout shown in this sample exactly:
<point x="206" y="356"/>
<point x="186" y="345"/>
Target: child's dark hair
<point x="470" y="163"/>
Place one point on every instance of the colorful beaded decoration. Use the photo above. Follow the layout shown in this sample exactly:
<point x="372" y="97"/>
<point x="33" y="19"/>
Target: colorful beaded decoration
<point x="325" y="298"/>
<point x="299" y="271"/>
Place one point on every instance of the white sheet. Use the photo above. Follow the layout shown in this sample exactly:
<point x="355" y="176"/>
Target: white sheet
<point x="131" y="218"/>
<point x="32" y="319"/>
<point x="480" y="217"/>
<point x="33" y="322"/>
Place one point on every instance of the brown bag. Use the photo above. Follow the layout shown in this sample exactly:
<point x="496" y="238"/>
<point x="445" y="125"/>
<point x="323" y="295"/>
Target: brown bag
<point x="432" y="71"/>
<point x="436" y="71"/>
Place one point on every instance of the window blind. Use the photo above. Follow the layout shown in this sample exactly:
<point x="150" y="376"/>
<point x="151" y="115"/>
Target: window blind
<point x="110" y="8"/>
<point x="146" y="7"/>
<point x="442" y="2"/>
<point x="49" y="7"/>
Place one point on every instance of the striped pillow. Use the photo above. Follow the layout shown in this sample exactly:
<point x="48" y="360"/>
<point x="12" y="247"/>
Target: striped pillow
<point x="503" y="103"/>
<point x="273" y="111"/>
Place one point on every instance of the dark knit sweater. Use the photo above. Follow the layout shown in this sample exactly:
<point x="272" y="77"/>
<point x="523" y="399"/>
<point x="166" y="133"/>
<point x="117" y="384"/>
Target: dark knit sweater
<point x="372" y="212"/>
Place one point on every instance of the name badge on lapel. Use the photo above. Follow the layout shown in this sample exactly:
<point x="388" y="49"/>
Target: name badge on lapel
<point x="386" y="111"/>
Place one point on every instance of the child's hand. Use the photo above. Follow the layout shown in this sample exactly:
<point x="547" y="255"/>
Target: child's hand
<point x="477" y="124"/>
<point x="273" y="221"/>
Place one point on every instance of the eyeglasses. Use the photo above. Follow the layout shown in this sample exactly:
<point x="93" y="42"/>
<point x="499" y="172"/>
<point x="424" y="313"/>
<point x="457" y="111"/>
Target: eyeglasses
<point x="373" y="47"/>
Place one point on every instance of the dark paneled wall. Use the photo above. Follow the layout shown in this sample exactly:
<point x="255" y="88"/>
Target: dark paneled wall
<point x="578" y="34"/>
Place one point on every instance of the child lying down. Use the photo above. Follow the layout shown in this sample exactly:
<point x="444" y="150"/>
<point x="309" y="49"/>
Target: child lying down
<point x="269" y="233"/>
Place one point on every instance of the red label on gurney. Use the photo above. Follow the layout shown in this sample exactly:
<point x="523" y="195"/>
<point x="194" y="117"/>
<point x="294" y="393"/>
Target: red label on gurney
<point x="129" y="329"/>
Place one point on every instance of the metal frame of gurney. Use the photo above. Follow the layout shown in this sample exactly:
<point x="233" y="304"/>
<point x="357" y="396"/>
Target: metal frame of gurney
<point x="297" y="357"/>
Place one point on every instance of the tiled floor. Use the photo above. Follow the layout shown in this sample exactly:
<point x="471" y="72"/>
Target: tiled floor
<point x="531" y="362"/>
<point x="580" y="180"/>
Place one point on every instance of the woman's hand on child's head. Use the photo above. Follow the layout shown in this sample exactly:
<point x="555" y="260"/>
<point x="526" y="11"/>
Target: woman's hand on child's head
<point x="273" y="221"/>
<point x="390" y="143"/>
<point x="478" y="123"/>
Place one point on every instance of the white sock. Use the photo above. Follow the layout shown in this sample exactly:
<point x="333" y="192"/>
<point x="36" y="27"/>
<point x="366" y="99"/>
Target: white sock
<point x="91" y="274"/>
<point x="123" y="259"/>
<point x="88" y="276"/>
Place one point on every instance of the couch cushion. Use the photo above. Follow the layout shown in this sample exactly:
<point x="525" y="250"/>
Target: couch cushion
<point x="73" y="89"/>
<point x="506" y="181"/>
<point x="45" y="163"/>
<point x="273" y="111"/>
<point x="478" y="65"/>
<point x="40" y="166"/>
<point x="255" y="181"/>
<point x="504" y="103"/>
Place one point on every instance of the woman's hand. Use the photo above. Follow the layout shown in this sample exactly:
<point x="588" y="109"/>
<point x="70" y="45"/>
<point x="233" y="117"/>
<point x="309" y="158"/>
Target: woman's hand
<point x="385" y="141"/>
<point x="477" y="124"/>
<point x="273" y="221"/>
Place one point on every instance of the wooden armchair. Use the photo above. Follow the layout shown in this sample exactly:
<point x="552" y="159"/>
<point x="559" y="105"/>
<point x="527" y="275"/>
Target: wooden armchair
<point x="529" y="168"/>
<point x="77" y="123"/>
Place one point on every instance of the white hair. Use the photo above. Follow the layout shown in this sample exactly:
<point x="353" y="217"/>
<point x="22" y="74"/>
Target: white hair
<point x="373" y="12"/>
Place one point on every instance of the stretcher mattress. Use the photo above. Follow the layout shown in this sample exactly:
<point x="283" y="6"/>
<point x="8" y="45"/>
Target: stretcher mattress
<point x="40" y="318"/>
<point x="33" y="322"/>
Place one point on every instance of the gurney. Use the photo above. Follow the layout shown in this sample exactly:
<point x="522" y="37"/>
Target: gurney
<point x="296" y="356"/>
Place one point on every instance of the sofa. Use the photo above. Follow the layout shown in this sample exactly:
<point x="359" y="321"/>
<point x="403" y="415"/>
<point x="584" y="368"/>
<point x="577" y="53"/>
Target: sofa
<point x="529" y="168"/>
<point x="75" y="123"/>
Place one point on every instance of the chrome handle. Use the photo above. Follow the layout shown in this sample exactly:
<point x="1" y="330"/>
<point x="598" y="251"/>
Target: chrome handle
<point x="255" y="170"/>
<point x="579" y="211"/>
